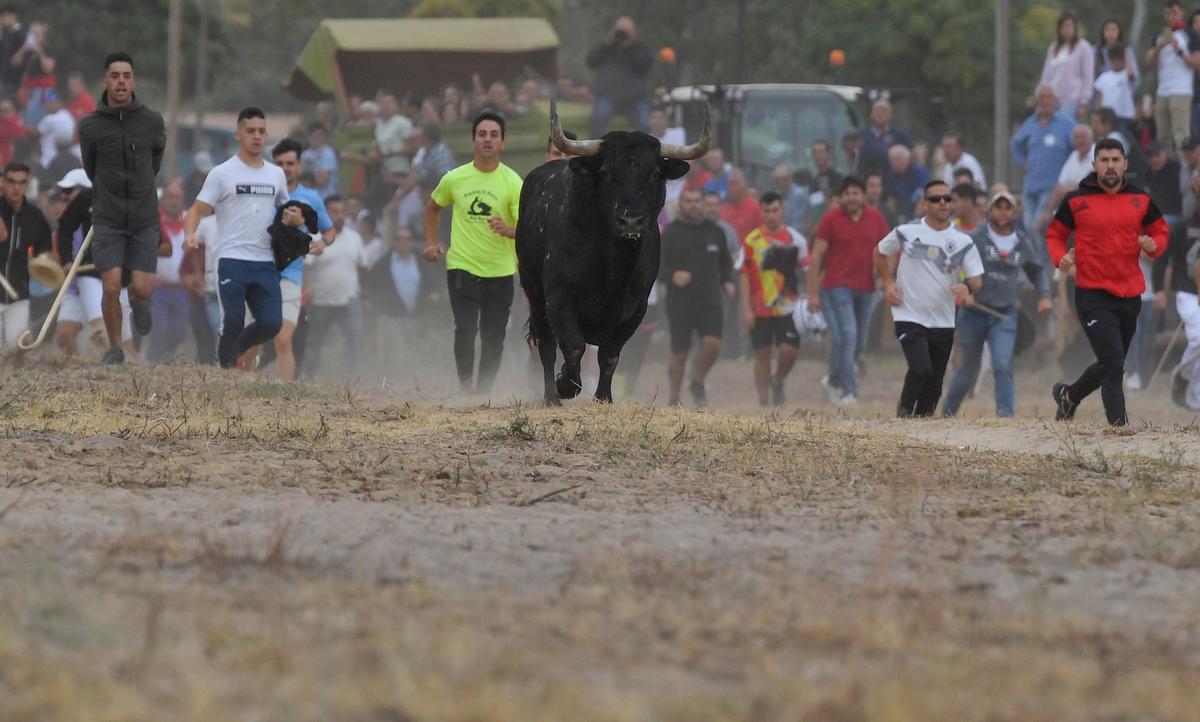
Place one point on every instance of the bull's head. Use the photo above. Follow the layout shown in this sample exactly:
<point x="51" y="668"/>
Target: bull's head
<point x="629" y="170"/>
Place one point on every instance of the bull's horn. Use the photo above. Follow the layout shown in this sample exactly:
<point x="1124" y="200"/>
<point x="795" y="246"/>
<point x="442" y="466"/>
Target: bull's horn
<point x="565" y="144"/>
<point x="693" y="151"/>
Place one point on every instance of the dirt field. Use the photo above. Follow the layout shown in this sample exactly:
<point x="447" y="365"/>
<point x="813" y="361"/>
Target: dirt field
<point x="185" y="544"/>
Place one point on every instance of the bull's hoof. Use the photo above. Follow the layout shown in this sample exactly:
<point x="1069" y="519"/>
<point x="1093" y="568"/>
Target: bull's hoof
<point x="568" y="388"/>
<point x="604" y="398"/>
<point x="552" y="400"/>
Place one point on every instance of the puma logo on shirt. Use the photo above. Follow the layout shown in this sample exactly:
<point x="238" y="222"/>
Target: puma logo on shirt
<point x="254" y="189"/>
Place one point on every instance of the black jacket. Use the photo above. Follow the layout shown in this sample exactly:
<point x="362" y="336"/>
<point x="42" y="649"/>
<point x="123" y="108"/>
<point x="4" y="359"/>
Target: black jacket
<point x="122" y="153"/>
<point x="1183" y="237"/>
<point x="28" y="230"/>
<point x="380" y="289"/>
<point x="621" y="70"/>
<point x="75" y="219"/>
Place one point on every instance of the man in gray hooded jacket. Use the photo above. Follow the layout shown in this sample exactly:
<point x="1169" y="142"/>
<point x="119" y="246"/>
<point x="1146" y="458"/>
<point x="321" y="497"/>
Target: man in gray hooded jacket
<point x="991" y="315"/>
<point x="122" y="144"/>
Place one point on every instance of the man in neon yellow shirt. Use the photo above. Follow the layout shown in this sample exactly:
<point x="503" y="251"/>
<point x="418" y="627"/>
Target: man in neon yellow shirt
<point x="482" y="259"/>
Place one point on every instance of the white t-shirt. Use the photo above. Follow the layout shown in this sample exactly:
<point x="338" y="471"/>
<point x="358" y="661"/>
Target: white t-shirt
<point x="390" y="134"/>
<point x="244" y="200"/>
<point x="1174" y="74"/>
<point x="1075" y="169"/>
<point x="52" y="129"/>
<point x="930" y="262"/>
<point x="971" y="163"/>
<point x="332" y="277"/>
<point x="1004" y="243"/>
<point x="168" y="267"/>
<point x="1116" y="92"/>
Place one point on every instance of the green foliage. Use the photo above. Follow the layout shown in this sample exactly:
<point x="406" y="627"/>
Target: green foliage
<point x="549" y="9"/>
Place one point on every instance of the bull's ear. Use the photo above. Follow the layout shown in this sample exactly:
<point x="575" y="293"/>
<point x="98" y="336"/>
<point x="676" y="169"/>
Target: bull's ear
<point x="672" y="169"/>
<point x="584" y="165"/>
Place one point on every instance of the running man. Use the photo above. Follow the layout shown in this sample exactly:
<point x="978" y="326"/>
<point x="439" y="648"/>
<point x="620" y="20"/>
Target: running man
<point x="286" y="155"/>
<point x="841" y="284"/>
<point x="991" y="315"/>
<point x="770" y="262"/>
<point x="122" y="144"/>
<point x="696" y="269"/>
<point x="482" y="259"/>
<point x="243" y="193"/>
<point x="1114" y="223"/>
<point x="933" y="256"/>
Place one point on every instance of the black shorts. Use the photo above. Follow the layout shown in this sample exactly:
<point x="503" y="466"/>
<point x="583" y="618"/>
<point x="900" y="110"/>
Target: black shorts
<point x="686" y="320"/>
<point x="776" y="330"/>
<point x="118" y="248"/>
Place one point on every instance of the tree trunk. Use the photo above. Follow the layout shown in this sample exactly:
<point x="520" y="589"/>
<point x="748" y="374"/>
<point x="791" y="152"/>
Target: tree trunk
<point x="171" y="156"/>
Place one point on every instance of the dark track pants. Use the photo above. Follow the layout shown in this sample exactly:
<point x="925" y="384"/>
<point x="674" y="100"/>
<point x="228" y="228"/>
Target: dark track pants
<point x="927" y="351"/>
<point x="1109" y="323"/>
<point x="240" y="284"/>
<point x="480" y="307"/>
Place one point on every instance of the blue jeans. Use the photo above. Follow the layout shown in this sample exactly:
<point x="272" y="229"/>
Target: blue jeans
<point x="974" y="329"/>
<point x="1033" y="203"/>
<point x="637" y="111"/>
<point x="240" y="284"/>
<point x="171" y="309"/>
<point x="848" y="314"/>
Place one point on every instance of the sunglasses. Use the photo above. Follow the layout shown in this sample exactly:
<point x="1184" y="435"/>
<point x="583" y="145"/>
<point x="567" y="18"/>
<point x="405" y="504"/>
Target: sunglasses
<point x="939" y="199"/>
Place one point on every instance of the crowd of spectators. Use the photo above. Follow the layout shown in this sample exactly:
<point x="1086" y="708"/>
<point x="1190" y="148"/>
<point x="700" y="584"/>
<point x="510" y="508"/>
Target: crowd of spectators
<point x="375" y="162"/>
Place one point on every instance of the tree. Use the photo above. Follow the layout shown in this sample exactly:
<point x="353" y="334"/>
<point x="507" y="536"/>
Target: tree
<point x="548" y="9"/>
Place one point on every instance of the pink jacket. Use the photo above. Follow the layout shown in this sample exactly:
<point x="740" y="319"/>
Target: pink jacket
<point x="1072" y="77"/>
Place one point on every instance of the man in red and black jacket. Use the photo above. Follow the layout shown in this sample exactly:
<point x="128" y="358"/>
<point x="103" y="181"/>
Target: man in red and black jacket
<point x="1114" y="224"/>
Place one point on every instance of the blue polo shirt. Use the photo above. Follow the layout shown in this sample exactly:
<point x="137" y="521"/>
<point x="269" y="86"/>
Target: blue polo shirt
<point x="1042" y="150"/>
<point x="295" y="270"/>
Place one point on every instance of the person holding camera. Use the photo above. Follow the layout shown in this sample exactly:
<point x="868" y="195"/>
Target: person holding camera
<point x="622" y="65"/>
<point x="1176" y="64"/>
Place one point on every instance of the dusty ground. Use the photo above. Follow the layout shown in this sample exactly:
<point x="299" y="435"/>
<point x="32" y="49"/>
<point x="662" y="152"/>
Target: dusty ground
<point x="184" y="544"/>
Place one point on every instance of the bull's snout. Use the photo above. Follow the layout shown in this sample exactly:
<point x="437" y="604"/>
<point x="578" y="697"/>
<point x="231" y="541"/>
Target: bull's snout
<point x="631" y="225"/>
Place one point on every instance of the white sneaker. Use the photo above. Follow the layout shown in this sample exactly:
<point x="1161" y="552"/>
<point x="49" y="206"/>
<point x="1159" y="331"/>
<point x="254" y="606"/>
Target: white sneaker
<point x="848" y="400"/>
<point x="1133" y="382"/>
<point x="832" y="393"/>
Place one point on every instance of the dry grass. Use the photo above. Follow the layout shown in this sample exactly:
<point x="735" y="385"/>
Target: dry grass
<point x="190" y="545"/>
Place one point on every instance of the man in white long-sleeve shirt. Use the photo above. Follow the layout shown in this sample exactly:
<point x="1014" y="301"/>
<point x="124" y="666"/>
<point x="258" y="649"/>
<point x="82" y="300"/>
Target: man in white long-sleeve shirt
<point x="331" y="282"/>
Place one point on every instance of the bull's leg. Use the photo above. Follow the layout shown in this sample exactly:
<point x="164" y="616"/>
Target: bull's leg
<point x="542" y="336"/>
<point x="547" y="352"/>
<point x="608" y="357"/>
<point x="610" y="353"/>
<point x="561" y="313"/>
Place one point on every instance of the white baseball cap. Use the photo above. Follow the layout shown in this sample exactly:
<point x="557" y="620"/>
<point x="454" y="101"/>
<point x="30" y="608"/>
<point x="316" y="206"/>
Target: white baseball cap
<point x="76" y="178"/>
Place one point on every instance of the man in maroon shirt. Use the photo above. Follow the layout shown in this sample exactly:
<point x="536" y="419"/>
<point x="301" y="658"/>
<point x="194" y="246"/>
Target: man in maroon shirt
<point x="841" y="283"/>
<point x="741" y="210"/>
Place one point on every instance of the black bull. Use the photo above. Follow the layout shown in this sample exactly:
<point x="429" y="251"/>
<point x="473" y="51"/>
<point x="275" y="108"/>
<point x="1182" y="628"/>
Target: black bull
<point x="588" y="249"/>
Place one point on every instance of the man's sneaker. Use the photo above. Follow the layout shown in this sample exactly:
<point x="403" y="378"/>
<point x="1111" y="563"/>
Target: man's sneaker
<point x="1133" y="382"/>
<point x="848" y="400"/>
<point x="777" y="398"/>
<point x="832" y="393"/>
<point x="1179" y="387"/>
<point x="141" y="316"/>
<point x="699" y="395"/>
<point x="113" y="356"/>
<point x="1064" y="408"/>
